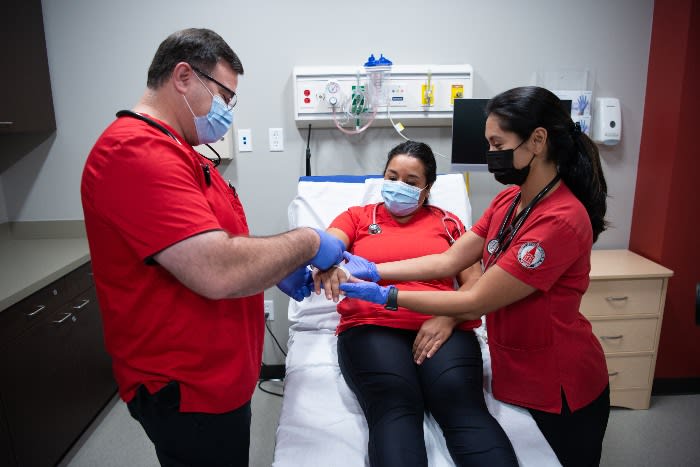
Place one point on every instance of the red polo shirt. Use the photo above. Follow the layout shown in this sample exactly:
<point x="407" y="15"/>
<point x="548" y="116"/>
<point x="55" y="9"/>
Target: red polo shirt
<point x="424" y="234"/>
<point x="142" y="192"/>
<point x="543" y="344"/>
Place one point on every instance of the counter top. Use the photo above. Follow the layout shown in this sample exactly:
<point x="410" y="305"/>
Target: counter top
<point x="616" y="264"/>
<point x="27" y="265"/>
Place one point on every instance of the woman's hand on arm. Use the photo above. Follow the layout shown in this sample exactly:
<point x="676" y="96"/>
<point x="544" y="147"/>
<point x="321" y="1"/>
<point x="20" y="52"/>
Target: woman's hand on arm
<point x="431" y="335"/>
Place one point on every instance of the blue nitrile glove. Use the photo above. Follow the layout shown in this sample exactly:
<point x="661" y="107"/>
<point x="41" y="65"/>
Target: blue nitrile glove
<point x="330" y="251"/>
<point x="298" y="284"/>
<point x="360" y="267"/>
<point x="367" y="291"/>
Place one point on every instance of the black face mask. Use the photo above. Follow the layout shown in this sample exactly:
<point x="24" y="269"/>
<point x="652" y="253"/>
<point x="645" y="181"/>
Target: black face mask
<point x="500" y="163"/>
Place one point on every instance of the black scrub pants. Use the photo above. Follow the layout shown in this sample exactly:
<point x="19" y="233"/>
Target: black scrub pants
<point x="191" y="439"/>
<point x="377" y="363"/>
<point x="576" y="437"/>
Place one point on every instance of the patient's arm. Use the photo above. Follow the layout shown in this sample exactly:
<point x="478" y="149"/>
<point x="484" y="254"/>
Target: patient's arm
<point x="468" y="277"/>
<point x="329" y="280"/>
<point x="332" y="277"/>
<point x="431" y="335"/>
<point x="435" y="331"/>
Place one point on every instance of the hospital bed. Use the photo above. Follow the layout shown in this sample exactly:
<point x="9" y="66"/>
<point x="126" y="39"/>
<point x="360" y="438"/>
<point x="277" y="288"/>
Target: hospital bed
<point x="321" y="423"/>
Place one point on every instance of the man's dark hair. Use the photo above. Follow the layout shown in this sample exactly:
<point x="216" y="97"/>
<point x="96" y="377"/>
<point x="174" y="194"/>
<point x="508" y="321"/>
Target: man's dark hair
<point x="202" y="48"/>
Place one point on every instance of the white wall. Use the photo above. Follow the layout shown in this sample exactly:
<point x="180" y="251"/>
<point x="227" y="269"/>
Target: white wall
<point x="99" y="52"/>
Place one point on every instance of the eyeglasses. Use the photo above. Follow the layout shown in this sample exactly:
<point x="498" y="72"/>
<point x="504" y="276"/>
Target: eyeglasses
<point x="231" y="101"/>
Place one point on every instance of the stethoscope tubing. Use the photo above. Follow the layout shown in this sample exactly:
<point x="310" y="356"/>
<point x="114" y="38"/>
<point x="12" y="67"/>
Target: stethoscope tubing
<point x="374" y="228"/>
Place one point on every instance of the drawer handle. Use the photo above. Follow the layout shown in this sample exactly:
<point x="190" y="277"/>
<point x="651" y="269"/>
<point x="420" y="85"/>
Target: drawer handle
<point x="78" y="307"/>
<point x="6" y="124"/>
<point x="68" y="315"/>
<point x="616" y="299"/>
<point x="619" y="336"/>
<point x="613" y="373"/>
<point x="39" y="309"/>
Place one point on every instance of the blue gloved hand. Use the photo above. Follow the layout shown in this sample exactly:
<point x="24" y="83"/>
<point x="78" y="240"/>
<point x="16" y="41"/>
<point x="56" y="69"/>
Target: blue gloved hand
<point x="367" y="291"/>
<point x="330" y="251"/>
<point x="298" y="284"/>
<point x="360" y="267"/>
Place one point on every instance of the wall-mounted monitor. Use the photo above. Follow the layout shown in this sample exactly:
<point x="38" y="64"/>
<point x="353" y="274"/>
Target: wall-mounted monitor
<point x="469" y="145"/>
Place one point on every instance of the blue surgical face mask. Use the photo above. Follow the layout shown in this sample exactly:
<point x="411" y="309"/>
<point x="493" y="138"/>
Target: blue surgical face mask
<point x="214" y="125"/>
<point x="400" y="198"/>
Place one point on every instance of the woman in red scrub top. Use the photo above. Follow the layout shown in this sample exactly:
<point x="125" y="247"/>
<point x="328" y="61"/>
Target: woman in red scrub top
<point x="534" y="242"/>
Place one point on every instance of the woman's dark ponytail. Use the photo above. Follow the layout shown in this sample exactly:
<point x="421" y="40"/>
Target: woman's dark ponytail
<point x="583" y="174"/>
<point x="523" y="109"/>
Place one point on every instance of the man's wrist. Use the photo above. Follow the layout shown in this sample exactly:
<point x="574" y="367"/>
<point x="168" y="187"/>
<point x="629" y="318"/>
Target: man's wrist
<point x="392" y="301"/>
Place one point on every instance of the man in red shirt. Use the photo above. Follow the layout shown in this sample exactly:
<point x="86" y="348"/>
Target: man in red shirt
<point x="178" y="278"/>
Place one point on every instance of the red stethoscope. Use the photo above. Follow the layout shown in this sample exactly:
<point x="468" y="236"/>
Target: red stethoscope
<point x="375" y="228"/>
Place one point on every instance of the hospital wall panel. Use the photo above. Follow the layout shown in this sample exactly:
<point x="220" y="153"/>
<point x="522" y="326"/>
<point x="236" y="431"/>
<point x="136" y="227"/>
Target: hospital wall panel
<point x="99" y="51"/>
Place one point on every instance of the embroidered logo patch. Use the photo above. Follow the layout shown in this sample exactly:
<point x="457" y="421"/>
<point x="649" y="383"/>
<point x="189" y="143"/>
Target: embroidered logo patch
<point x="492" y="246"/>
<point x="531" y="255"/>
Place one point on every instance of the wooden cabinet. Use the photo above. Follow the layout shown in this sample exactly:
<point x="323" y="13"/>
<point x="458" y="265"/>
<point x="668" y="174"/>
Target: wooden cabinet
<point x="625" y="305"/>
<point x="26" y="103"/>
<point x="56" y="375"/>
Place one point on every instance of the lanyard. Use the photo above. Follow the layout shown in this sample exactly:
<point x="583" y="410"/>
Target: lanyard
<point x="154" y="124"/>
<point x="507" y="231"/>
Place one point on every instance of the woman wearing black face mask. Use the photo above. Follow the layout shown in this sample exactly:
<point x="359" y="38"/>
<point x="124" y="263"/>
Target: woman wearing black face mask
<point x="534" y="242"/>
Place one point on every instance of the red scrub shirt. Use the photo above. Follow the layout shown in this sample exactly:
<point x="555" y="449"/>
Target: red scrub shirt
<point x="542" y="343"/>
<point x="142" y="192"/>
<point x="424" y="234"/>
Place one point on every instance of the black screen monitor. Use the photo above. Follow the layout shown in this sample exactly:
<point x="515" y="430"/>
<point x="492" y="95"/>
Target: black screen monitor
<point x="469" y="145"/>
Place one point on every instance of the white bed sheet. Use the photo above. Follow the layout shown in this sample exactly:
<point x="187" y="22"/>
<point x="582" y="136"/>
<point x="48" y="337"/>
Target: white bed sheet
<point x="321" y="423"/>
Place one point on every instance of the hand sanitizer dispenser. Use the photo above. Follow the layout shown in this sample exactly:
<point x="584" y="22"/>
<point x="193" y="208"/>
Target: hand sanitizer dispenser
<point x="607" y="125"/>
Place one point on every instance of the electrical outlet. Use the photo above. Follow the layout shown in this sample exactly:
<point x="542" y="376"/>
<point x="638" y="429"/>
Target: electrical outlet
<point x="245" y="140"/>
<point x="276" y="139"/>
<point x="269" y="309"/>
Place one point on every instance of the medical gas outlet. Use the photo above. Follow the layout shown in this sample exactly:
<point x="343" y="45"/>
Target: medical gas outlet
<point x="417" y="95"/>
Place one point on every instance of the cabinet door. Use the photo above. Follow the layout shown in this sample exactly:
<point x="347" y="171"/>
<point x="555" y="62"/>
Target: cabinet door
<point x="25" y="86"/>
<point x="38" y="389"/>
<point x="96" y="384"/>
<point x="7" y="455"/>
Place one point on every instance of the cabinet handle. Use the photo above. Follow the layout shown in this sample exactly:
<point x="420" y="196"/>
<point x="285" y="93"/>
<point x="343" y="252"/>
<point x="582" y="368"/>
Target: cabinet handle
<point x="78" y="307"/>
<point x="613" y="373"/>
<point x="6" y="124"/>
<point x="68" y="315"/>
<point x="619" y="336"/>
<point x="616" y="299"/>
<point x="39" y="309"/>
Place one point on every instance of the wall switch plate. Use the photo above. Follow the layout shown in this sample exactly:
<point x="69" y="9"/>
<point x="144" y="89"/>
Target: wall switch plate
<point x="276" y="139"/>
<point x="245" y="140"/>
<point x="269" y="309"/>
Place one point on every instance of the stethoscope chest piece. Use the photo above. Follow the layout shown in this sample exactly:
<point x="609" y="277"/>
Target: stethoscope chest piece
<point x="374" y="229"/>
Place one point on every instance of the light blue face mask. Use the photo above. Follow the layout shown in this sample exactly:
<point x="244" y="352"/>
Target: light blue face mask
<point x="400" y="198"/>
<point x="214" y="125"/>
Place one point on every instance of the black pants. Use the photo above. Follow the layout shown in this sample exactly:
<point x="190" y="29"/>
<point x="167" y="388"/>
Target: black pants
<point x="394" y="392"/>
<point x="576" y="438"/>
<point x="191" y="439"/>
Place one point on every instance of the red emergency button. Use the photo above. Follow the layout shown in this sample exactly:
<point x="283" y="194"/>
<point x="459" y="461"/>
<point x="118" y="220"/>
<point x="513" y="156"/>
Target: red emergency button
<point x="307" y="100"/>
<point x="307" y="92"/>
